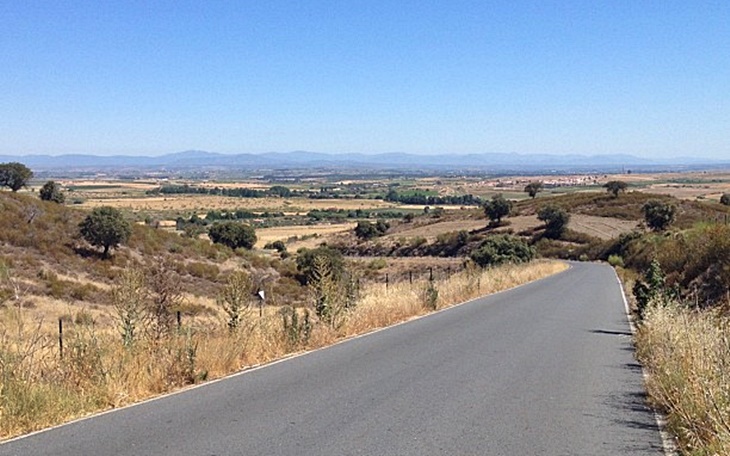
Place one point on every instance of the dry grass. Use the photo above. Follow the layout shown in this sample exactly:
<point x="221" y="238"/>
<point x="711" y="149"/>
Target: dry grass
<point x="204" y="203"/>
<point x="38" y="388"/>
<point x="687" y="355"/>
<point x="282" y="233"/>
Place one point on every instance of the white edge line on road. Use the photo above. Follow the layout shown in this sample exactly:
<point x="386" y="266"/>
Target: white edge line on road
<point x="254" y="368"/>
<point x="670" y="447"/>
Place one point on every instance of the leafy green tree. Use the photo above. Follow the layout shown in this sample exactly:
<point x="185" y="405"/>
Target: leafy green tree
<point x="496" y="250"/>
<point x="615" y="187"/>
<point x="51" y="191"/>
<point x="533" y="188"/>
<point x="280" y="190"/>
<point x="658" y="215"/>
<point x="555" y="219"/>
<point x="105" y="227"/>
<point x="366" y="230"/>
<point x="497" y="208"/>
<point x="725" y="199"/>
<point x="233" y="234"/>
<point x="14" y="175"/>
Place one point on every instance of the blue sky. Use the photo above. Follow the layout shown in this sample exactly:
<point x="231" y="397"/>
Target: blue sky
<point x="649" y="78"/>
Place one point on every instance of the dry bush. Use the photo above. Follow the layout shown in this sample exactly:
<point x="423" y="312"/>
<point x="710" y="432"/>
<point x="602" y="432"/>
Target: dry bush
<point x="687" y="355"/>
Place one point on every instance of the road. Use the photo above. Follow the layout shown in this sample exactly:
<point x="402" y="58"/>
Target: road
<point x="544" y="369"/>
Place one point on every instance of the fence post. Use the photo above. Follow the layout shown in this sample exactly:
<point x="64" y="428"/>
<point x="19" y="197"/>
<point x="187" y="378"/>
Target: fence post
<point x="386" y="281"/>
<point x="410" y="277"/>
<point x="60" y="337"/>
<point x="430" y="274"/>
<point x="179" y="320"/>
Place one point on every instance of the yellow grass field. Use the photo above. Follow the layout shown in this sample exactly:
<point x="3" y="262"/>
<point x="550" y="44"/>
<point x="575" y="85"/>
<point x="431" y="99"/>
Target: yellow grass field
<point x="266" y="235"/>
<point x="204" y="203"/>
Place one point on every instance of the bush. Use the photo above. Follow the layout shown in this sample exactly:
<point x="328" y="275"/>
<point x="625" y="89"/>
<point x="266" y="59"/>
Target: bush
<point x="233" y="234"/>
<point x="51" y="191"/>
<point x="496" y="250"/>
<point x="725" y="199"/>
<point x="616" y="261"/>
<point x="658" y="215"/>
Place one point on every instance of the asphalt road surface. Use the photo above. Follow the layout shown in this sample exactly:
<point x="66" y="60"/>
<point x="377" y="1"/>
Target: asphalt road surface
<point x="544" y="369"/>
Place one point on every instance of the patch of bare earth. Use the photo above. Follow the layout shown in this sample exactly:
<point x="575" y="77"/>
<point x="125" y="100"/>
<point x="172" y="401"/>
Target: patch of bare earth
<point x="601" y="227"/>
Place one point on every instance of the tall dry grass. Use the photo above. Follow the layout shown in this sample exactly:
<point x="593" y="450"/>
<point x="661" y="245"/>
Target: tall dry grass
<point x="98" y="371"/>
<point x="687" y="355"/>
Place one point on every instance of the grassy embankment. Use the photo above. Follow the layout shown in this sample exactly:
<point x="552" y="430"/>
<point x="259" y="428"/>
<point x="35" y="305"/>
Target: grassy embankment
<point x="683" y="337"/>
<point x="97" y="371"/>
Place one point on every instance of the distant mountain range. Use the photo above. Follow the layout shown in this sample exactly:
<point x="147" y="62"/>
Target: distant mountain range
<point x="194" y="160"/>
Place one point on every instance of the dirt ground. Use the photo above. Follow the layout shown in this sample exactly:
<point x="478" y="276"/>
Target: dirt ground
<point x="601" y="227"/>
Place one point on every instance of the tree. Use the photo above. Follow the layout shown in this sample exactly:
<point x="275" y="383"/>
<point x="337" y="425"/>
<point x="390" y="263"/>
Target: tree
<point x="497" y="208"/>
<point x="14" y="175"/>
<point x="615" y="187"/>
<point x="366" y="230"/>
<point x="496" y="250"/>
<point x="233" y="234"/>
<point x="306" y="259"/>
<point x="556" y="220"/>
<point x="105" y="227"/>
<point x="658" y="215"/>
<point x="725" y="199"/>
<point x="533" y="188"/>
<point x="51" y="191"/>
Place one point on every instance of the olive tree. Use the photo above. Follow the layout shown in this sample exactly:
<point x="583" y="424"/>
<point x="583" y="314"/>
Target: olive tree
<point x="14" y="175"/>
<point x="497" y="208"/>
<point x="533" y="188"/>
<point x="556" y="220"/>
<point x="615" y="187"/>
<point x="658" y="215"/>
<point x="105" y="227"/>
<point x="233" y="234"/>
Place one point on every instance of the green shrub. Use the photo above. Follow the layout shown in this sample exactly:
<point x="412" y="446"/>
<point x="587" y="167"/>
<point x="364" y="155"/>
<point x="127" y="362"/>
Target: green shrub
<point x="496" y="250"/>
<point x="616" y="261"/>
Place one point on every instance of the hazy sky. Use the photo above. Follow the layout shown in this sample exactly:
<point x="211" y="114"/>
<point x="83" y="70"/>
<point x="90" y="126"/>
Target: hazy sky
<point x="650" y="78"/>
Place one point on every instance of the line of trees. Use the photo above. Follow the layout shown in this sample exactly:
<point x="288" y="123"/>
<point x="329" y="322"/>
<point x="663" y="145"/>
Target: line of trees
<point x="239" y="192"/>
<point x="421" y="198"/>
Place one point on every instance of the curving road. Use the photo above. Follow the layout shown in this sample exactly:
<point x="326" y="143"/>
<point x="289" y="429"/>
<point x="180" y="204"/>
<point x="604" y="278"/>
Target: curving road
<point x="544" y="369"/>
